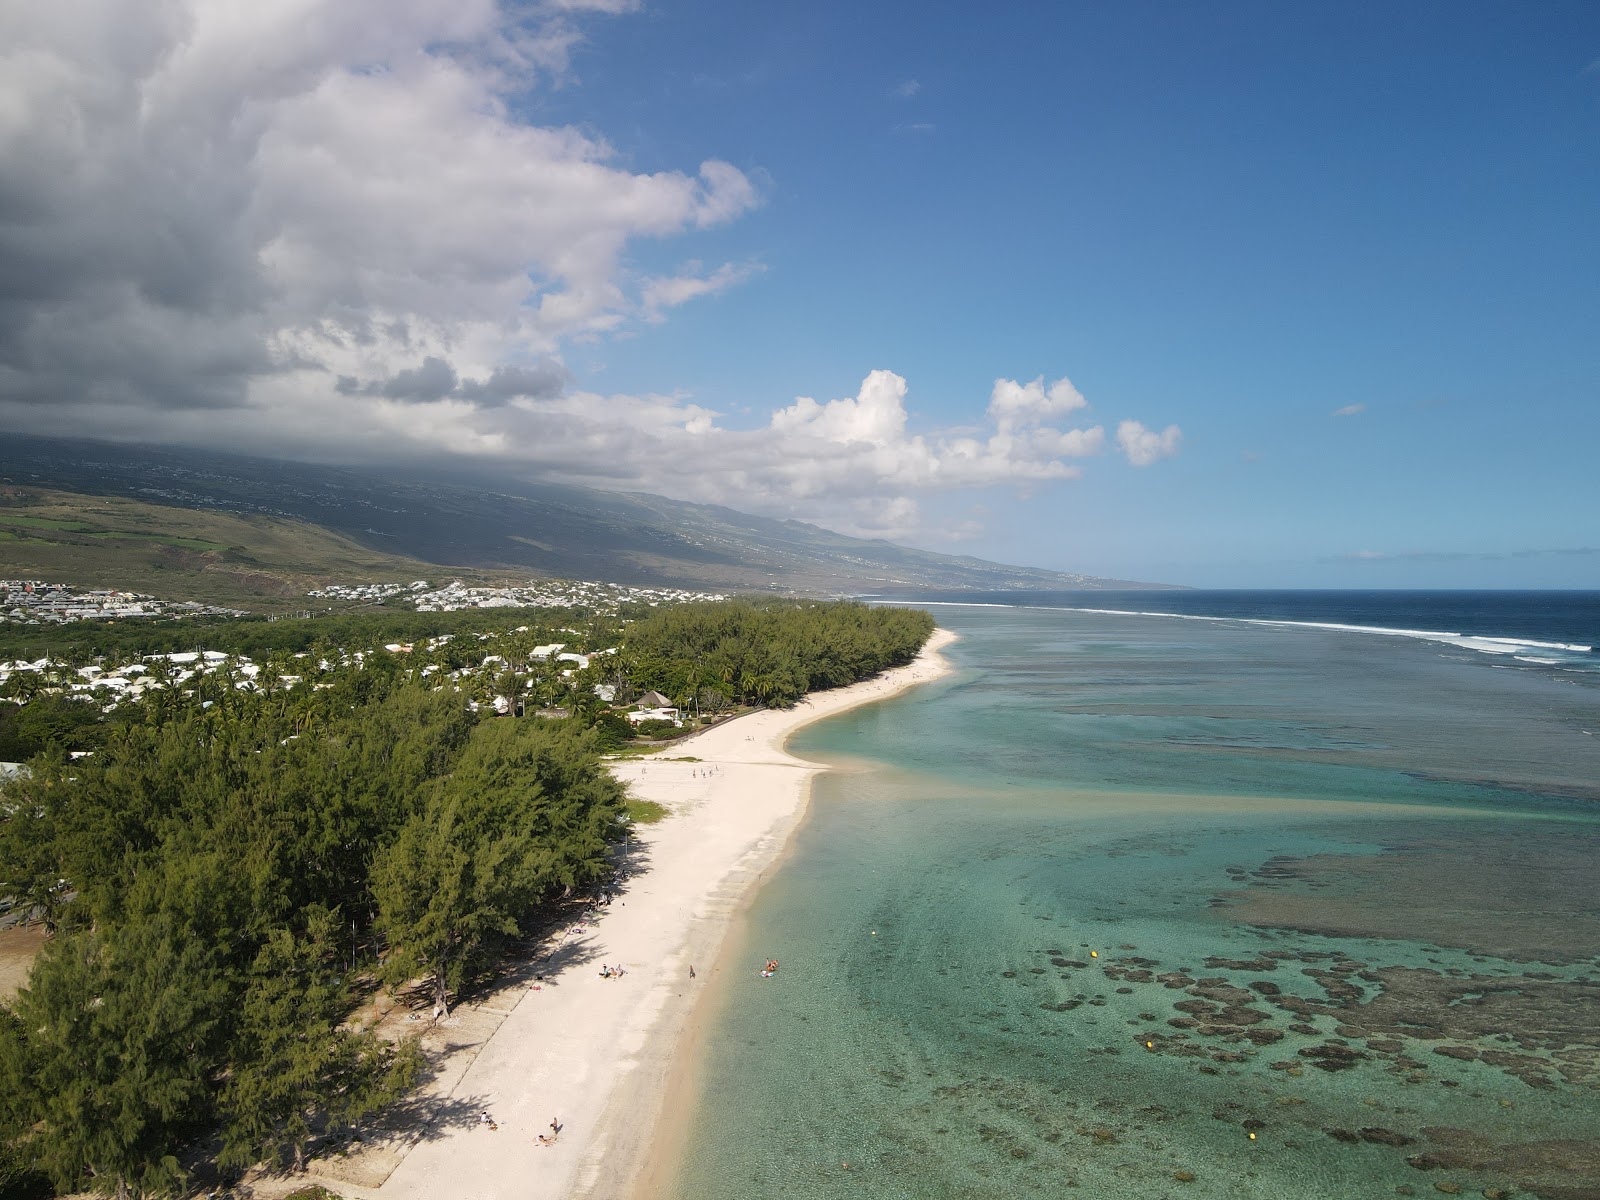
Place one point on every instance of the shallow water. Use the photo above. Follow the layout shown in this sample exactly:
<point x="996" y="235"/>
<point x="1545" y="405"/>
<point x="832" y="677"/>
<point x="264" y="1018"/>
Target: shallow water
<point x="1020" y="931"/>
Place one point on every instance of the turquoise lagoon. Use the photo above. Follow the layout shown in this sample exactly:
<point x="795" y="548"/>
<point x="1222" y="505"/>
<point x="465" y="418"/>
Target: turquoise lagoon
<point x="1124" y="891"/>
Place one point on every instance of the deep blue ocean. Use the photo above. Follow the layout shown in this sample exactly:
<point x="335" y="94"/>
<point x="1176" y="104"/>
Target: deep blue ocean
<point x="1184" y="894"/>
<point x="1555" y="628"/>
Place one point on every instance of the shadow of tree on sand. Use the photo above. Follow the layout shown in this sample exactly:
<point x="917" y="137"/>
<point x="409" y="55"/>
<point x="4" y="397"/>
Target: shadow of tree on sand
<point x="551" y="945"/>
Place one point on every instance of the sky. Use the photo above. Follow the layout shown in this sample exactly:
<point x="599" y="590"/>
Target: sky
<point x="1228" y="295"/>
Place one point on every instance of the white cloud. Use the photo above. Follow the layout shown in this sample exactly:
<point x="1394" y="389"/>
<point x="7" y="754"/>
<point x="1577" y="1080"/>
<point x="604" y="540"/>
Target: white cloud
<point x="203" y="199"/>
<point x="1011" y="402"/>
<point x="1350" y="410"/>
<point x="907" y="89"/>
<point x="853" y="462"/>
<point x="1145" y="446"/>
<point x="663" y="293"/>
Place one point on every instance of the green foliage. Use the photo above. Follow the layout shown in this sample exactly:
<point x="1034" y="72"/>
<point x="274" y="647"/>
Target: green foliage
<point x="46" y="722"/>
<point x="611" y="730"/>
<point x="765" y="652"/>
<point x="112" y="1052"/>
<point x="217" y="878"/>
<point x="18" y="1180"/>
<point x="294" y="1060"/>
<point x="523" y="816"/>
<point x="655" y="729"/>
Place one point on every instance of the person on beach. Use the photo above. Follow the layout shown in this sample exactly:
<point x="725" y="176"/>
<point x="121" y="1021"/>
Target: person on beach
<point x="691" y="970"/>
<point x="555" y="1125"/>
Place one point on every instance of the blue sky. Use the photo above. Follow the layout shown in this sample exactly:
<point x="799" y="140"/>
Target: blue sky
<point x="1324" y="277"/>
<point x="1239" y="218"/>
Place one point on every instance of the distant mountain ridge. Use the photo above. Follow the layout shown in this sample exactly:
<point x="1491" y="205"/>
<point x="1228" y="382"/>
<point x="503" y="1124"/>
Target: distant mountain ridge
<point x="499" y="523"/>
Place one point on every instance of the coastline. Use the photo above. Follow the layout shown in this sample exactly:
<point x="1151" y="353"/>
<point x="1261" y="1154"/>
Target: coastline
<point x="598" y="1054"/>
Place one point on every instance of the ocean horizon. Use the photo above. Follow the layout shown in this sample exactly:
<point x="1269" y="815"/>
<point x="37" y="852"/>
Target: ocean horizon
<point x="1258" y="897"/>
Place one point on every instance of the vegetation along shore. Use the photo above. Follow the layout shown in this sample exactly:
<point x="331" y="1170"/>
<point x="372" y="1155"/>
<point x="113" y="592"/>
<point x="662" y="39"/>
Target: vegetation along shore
<point x="234" y="865"/>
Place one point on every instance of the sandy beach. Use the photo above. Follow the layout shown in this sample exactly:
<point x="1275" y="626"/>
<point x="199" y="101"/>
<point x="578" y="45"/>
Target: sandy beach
<point x="595" y="1054"/>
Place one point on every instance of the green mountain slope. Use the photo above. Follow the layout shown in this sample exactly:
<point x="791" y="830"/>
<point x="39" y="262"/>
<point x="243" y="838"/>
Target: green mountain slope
<point x="179" y="553"/>
<point x="500" y="524"/>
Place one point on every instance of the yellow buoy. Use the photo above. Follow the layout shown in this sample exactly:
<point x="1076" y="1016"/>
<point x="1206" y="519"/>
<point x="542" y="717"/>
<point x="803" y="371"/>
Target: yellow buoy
<point x="1149" y="1045"/>
<point x="1094" y="954"/>
<point x="1252" y="1137"/>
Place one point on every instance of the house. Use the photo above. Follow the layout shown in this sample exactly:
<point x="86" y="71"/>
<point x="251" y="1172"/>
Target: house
<point x="653" y="714"/>
<point x="653" y="700"/>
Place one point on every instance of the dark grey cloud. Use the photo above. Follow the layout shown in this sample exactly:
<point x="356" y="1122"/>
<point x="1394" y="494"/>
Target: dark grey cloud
<point x="435" y="379"/>
<point x="543" y="381"/>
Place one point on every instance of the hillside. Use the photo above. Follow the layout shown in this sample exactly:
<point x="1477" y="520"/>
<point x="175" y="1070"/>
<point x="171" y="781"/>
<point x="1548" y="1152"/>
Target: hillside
<point x="494" y="524"/>
<point x="182" y="553"/>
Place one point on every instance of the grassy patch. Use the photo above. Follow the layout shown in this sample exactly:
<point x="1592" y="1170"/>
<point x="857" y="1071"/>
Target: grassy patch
<point x="166" y="539"/>
<point x="646" y="812"/>
<point x="71" y="525"/>
<point x="312" y="1192"/>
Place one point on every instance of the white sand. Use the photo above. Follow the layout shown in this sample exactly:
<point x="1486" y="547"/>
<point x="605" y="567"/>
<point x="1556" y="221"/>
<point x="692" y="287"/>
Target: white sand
<point x="595" y="1052"/>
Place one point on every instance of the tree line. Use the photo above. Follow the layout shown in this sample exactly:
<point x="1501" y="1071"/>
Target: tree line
<point x="233" y="871"/>
<point x="766" y="652"/>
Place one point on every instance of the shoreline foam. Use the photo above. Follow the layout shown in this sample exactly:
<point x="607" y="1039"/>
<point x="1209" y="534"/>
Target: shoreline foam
<point x="598" y="1054"/>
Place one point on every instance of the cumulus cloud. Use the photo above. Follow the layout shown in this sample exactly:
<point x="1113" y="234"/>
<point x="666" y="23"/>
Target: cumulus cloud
<point x="1350" y="410"/>
<point x="854" y="462"/>
<point x="1011" y="402"/>
<point x="203" y="203"/>
<point x="1145" y="446"/>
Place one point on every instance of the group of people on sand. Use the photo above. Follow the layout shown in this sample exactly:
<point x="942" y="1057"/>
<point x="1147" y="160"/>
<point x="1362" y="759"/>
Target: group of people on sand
<point x="615" y="972"/>
<point x="771" y="968"/>
<point x="544" y="1139"/>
